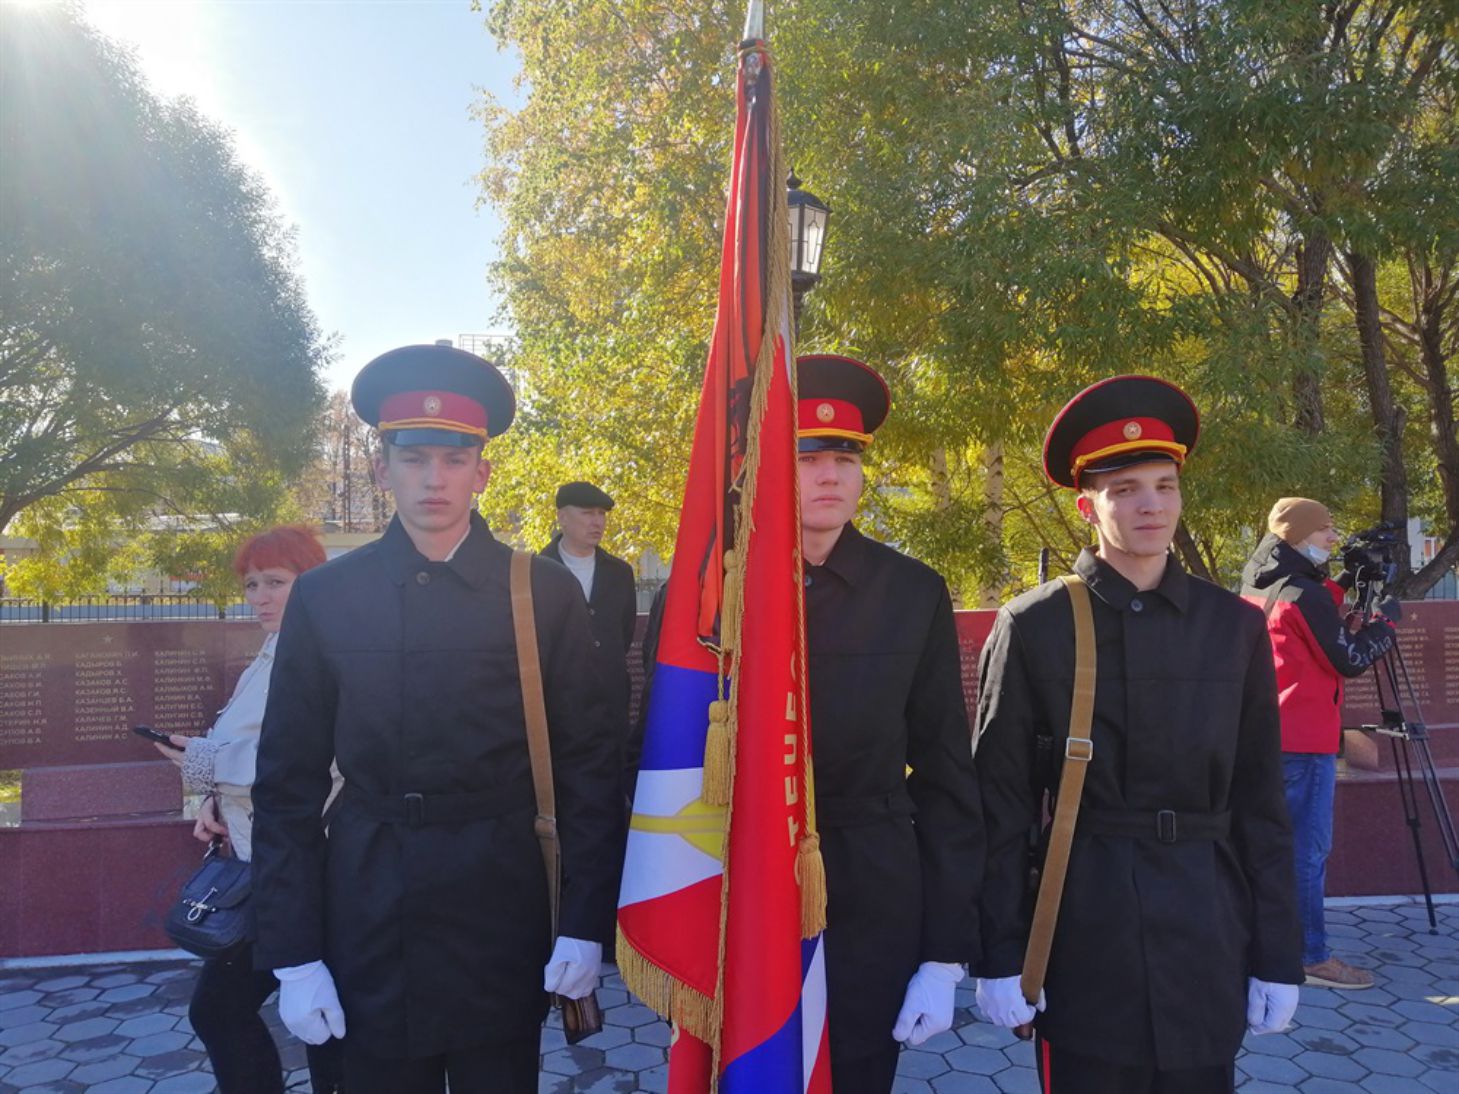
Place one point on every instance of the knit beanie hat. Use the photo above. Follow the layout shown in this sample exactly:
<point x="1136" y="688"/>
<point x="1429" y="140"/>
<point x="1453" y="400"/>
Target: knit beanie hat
<point x="1294" y="519"/>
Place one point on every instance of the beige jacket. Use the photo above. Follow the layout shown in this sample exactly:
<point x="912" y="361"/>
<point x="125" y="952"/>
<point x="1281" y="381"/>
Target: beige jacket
<point x="223" y="762"/>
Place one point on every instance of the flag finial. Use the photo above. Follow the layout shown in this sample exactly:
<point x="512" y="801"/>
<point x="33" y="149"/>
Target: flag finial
<point x="754" y="21"/>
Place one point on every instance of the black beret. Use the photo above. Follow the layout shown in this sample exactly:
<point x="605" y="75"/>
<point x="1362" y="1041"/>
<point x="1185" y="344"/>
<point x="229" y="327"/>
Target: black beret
<point x="584" y="495"/>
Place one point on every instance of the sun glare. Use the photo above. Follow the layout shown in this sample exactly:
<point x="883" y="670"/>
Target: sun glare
<point x="169" y="39"/>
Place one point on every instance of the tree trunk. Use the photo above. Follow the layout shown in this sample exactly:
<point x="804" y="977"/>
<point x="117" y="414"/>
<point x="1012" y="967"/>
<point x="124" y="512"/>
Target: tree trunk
<point x="991" y="594"/>
<point x="1312" y="260"/>
<point x="1190" y="553"/>
<point x="1388" y="416"/>
<point x="10" y="508"/>
<point x="1445" y="440"/>
<point x="1432" y="572"/>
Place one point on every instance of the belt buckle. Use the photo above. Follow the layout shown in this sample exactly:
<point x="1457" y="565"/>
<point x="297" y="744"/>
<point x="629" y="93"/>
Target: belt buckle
<point x="415" y="809"/>
<point x="1165" y="827"/>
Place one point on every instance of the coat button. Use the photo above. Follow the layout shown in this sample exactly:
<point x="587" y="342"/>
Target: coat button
<point x="1137" y="605"/>
<point x="422" y="578"/>
<point x="597" y="644"/>
<point x="592" y="611"/>
<point x="807" y="581"/>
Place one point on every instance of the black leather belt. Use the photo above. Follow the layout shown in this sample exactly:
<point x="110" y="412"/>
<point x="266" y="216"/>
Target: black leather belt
<point x="851" y="812"/>
<point x="1165" y="825"/>
<point x="417" y="809"/>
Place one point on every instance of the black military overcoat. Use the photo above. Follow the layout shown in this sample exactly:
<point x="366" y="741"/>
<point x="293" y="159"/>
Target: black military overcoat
<point x="1155" y="940"/>
<point x="903" y="852"/>
<point x="436" y="931"/>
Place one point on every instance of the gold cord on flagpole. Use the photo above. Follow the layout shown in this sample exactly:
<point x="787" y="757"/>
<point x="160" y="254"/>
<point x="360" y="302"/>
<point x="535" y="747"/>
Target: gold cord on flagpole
<point x="717" y="760"/>
<point x="774" y="321"/>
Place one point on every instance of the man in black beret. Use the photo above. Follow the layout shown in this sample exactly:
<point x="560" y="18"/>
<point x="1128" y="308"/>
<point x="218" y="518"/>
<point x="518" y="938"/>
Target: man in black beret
<point x="611" y="593"/>
<point x="419" y="930"/>
<point x="1178" y="927"/>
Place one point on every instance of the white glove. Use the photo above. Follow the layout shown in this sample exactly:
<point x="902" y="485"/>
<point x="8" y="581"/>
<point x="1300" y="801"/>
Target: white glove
<point x="1269" y="1007"/>
<point x="308" y="1004"/>
<point x="572" y="971"/>
<point x="1003" y="1004"/>
<point x="927" y="1008"/>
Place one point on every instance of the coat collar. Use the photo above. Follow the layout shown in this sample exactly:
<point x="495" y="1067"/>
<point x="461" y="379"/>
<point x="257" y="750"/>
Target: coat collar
<point x="477" y="561"/>
<point x="554" y="550"/>
<point x="847" y="559"/>
<point x="1275" y="559"/>
<point x="1117" y="591"/>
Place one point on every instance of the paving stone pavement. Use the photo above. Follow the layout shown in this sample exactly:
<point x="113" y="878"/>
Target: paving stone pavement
<point x="123" y="1029"/>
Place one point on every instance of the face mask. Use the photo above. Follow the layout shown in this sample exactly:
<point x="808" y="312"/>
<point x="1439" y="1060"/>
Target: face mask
<point x="1317" y="554"/>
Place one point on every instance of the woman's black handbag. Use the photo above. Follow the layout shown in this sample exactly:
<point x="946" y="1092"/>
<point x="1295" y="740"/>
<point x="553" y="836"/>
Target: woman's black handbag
<point x="212" y="914"/>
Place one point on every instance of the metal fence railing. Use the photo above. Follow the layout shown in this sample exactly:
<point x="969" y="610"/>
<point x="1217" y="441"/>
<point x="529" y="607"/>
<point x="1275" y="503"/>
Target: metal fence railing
<point x="118" y="608"/>
<point x="142" y="606"/>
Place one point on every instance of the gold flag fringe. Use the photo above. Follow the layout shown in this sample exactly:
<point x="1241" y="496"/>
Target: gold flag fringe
<point x="667" y="995"/>
<point x="718" y="756"/>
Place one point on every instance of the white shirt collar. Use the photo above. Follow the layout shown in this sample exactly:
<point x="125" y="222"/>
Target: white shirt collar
<point x="452" y="552"/>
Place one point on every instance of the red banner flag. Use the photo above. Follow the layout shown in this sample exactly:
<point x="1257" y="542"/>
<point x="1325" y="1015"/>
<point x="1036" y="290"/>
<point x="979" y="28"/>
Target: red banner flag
<point x="723" y="895"/>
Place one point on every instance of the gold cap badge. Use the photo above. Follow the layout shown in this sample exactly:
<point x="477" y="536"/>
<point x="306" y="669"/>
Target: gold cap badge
<point x="825" y="412"/>
<point x="1133" y="431"/>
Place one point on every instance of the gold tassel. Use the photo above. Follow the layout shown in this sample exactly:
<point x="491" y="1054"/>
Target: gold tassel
<point x="716" y="789"/>
<point x="810" y="871"/>
<point x="729" y="612"/>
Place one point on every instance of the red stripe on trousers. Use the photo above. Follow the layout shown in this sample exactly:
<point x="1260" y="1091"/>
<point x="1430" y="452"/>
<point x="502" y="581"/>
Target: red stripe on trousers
<point x="1048" y="1077"/>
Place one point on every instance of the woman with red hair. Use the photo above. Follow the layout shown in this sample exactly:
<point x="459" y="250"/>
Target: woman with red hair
<point x="220" y="765"/>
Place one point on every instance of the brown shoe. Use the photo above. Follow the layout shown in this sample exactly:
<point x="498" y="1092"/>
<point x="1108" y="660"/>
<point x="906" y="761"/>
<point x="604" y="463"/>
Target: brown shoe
<point x="1333" y="973"/>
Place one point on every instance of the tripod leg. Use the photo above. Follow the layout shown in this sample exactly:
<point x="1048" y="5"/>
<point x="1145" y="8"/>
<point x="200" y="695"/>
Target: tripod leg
<point x="1403" y="766"/>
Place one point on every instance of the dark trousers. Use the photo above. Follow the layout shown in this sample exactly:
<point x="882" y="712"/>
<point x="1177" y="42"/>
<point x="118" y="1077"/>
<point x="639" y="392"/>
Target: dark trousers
<point x="508" y="1067"/>
<point x="224" y="1015"/>
<point x="870" y="1070"/>
<point x="1064" y="1072"/>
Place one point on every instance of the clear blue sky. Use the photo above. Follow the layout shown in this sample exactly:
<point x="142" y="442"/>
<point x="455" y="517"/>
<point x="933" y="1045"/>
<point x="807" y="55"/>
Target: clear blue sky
<point x="357" y="115"/>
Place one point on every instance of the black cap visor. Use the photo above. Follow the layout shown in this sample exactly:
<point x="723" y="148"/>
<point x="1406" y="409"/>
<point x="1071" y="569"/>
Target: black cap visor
<point x="830" y="444"/>
<point x="410" y="438"/>
<point x="1121" y="460"/>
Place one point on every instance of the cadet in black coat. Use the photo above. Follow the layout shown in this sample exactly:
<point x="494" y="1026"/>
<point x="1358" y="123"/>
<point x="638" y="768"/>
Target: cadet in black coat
<point x="903" y="853"/>
<point x="1178" y="926"/>
<point x="428" y="901"/>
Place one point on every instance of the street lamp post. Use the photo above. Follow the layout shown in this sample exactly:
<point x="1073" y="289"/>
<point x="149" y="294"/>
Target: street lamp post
<point x="808" y="218"/>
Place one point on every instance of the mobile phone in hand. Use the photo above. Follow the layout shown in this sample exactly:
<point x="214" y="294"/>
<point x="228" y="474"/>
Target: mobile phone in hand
<point x="153" y="735"/>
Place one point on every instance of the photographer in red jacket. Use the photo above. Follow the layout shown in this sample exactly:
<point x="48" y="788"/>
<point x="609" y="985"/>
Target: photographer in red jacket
<point x="1315" y="649"/>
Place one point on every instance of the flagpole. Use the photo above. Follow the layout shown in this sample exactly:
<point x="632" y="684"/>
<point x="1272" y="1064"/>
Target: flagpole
<point x="754" y="21"/>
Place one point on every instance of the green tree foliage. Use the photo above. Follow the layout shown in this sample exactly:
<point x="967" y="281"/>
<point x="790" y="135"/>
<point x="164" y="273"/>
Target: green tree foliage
<point x="1254" y="198"/>
<point x="157" y="358"/>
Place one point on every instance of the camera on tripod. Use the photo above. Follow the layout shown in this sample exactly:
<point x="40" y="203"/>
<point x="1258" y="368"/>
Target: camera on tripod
<point x="1369" y="559"/>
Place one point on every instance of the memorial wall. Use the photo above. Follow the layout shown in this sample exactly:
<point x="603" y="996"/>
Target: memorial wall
<point x="71" y="692"/>
<point x="101" y="847"/>
<point x="1428" y="638"/>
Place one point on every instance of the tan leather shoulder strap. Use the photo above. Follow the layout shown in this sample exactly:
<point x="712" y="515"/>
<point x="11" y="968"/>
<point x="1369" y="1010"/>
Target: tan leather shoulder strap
<point x="1078" y="751"/>
<point x="529" y="667"/>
